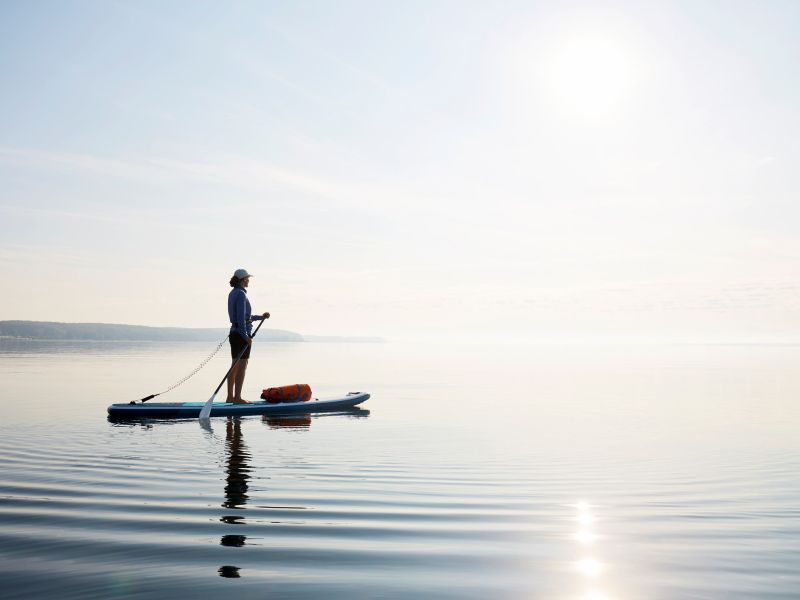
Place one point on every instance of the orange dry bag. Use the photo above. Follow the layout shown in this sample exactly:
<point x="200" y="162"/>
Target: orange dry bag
<point x="300" y="392"/>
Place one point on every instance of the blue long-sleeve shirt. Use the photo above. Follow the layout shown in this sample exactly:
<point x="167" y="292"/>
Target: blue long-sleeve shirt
<point x="240" y="313"/>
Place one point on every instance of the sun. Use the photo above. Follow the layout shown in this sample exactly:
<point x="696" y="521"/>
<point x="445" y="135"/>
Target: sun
<point x="589" y="76"/>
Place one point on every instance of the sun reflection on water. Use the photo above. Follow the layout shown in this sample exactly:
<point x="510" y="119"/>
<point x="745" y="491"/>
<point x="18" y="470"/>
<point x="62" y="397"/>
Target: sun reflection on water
<point x="595" y="596"/>
<point x="585" y="537"/>
<point x="589" y="566"/>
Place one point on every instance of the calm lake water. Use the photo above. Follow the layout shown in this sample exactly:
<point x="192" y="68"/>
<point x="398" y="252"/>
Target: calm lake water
<point x="553" y="472"/>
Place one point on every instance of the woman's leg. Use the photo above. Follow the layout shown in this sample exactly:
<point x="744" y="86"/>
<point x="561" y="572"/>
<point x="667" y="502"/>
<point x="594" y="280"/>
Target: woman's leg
<point x="232" y="380"/>
<point x="241" y="369"/>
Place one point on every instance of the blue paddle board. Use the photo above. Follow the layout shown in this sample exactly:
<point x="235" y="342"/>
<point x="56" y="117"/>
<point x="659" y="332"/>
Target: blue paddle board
<point x="191" y="410"/>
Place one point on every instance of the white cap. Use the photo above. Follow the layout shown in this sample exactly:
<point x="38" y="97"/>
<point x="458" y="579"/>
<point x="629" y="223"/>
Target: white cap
<point x="241" y="274"/>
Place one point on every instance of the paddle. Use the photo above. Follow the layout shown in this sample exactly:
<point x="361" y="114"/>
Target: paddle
<point x="206" y="410"/>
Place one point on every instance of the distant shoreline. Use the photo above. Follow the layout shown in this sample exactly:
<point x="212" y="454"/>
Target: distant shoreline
<point x="51" y="331"/>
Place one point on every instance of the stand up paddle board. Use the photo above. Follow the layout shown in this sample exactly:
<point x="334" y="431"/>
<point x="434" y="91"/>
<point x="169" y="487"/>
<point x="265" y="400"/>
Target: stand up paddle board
<point x="191" y="410"/>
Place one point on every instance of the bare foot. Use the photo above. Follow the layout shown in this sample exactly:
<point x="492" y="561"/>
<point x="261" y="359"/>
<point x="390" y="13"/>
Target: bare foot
<point x="238" y="401"/>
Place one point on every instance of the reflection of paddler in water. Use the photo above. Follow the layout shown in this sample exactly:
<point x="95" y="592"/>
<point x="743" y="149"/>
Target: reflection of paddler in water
<point x="237" y="470"/>
<point x="237" y="474"/>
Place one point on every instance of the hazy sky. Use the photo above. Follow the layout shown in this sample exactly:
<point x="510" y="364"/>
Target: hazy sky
<point x="475" y="169"/>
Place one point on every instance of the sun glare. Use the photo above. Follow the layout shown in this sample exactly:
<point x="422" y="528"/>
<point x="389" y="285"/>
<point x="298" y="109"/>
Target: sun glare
<point x="589" y="75"/>
<point x="590" y="567"/>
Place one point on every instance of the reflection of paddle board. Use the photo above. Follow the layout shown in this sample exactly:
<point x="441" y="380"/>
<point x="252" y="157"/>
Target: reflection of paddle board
<point x="191" y="410"/>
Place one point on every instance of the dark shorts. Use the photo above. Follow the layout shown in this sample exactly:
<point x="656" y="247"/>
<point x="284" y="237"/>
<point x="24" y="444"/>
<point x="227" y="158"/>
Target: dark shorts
<point x="237" y="343"/>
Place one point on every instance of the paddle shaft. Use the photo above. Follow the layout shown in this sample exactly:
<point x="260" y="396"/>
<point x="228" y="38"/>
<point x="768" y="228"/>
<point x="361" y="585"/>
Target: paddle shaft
<point x="238" y="358"/>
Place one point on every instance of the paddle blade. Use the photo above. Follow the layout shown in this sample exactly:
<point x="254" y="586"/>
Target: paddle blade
<point x="205" y="412"/>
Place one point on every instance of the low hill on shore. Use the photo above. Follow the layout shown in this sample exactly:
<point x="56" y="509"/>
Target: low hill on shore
<point x="52" y="331"/>
<point x="44" y="330"/>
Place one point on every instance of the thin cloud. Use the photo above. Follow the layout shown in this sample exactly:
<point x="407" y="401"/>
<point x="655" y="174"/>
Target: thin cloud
<point x="232" y="170"/>
<point x="127" y="169"/>
<point x="128" y="220"/>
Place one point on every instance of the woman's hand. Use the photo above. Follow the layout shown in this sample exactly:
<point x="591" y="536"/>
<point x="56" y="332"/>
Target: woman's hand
<point x="265" y="316"/>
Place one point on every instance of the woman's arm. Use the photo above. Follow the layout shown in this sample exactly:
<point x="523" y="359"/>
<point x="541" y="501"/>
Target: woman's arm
<point x="240" y="307"/>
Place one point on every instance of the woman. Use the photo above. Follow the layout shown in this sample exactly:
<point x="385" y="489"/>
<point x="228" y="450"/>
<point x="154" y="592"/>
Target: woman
<point x="241" y="337"/>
